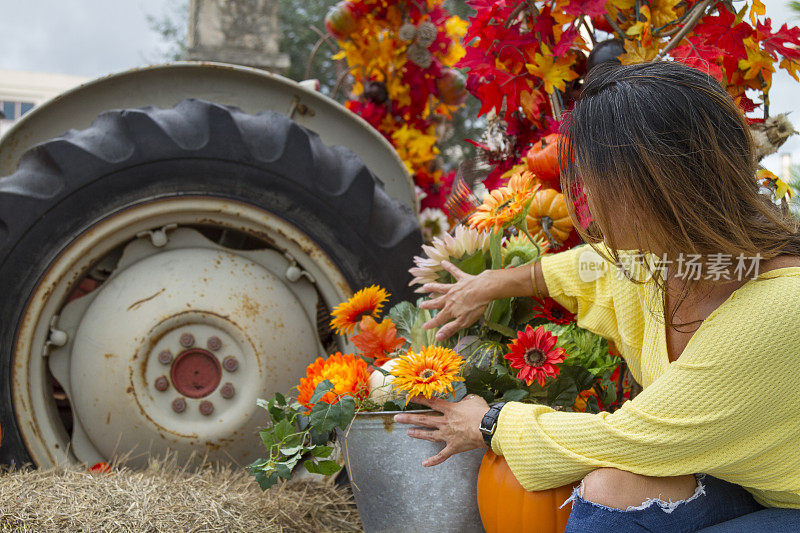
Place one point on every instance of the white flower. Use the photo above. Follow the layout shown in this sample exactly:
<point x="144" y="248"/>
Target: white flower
<point x="448" y="247"/>
<point x="433" y="222"/>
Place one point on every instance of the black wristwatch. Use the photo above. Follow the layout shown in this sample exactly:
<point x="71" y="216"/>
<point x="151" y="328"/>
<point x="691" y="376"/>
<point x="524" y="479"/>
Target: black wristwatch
<point x="489" y="422"/>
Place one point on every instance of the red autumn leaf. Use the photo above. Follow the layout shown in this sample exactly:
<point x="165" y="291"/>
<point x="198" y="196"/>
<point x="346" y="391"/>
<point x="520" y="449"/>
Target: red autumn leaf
<point x="720" y="31"/>
<point x="778" y="42"/>
<point x="566" y="41"/>
<point x="585" y="7"/>
<point x="700" y="55"/>
<point x="543" y="27"/>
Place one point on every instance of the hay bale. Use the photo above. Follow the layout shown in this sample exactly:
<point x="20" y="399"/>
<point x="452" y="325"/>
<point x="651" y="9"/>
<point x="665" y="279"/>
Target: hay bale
<point x="166" y="497"/>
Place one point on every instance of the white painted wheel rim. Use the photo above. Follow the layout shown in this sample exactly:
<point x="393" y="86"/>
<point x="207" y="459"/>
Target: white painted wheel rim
<point x="43" y="433"/>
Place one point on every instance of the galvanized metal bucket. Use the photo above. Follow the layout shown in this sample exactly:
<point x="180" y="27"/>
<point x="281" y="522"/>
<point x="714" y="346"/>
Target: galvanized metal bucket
<point x="395" y="493"/>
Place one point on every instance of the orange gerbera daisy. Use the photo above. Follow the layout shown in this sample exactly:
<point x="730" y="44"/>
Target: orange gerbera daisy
<point x="348" y="373"/>
<point x="525" y="183"/>
<point x="366" y="302"/>
<point x="504" y="205"/>
<point x="376" y="340"/>
<point x="432" y="370"/>
<point x="533" y="352"/>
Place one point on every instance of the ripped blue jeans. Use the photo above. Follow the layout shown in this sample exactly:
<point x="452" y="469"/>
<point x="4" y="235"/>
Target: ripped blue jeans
<point x="720" y="506"/>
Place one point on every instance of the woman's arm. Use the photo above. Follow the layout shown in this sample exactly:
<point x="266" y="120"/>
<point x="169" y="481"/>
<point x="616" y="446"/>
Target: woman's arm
<point x="727" y="407"/>
<point x="463" y="302"/>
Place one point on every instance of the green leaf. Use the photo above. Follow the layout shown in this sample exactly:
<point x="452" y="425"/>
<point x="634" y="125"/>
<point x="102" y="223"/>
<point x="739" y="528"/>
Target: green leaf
<point x="283" y="470"/>
<point x="282" y="429"/>
<point x="328" y="467"/>
<point x="280" y="399"/>
<point x="321" y="389"/>
<point x="324" y="417"/>
<point x="257" y="464"/>
<point x="391" y="406"/>
<point x="290" y="451"/>
<point x="266" y="481"/>
<point x="322" y="451"/>
<point x="504" y="330"/>
<point x="404" y="315"/>
<point x="268" y="437"/>
<point x="346" y="411"/>
<point x="471" y="264"/>
<point x="311" y="466"/>
<point x="262" y="403"/>
<point x="496" y="249"/>
<point x="515" y="395"/>
<point x="609" y="394"/>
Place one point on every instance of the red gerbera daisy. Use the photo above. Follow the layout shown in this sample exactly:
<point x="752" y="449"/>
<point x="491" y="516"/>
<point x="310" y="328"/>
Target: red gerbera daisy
<point x="533" y="352"/>
<point x="552" y="311"/>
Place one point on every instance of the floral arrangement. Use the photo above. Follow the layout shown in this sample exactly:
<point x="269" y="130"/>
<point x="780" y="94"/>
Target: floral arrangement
<point x="526" y="60"/>
<point x="522" y="349"/>
<point x="400" y="57"/>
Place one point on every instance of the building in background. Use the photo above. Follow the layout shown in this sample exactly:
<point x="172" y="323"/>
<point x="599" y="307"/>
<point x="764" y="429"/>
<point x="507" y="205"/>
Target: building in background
<point x="21" y="91"/>
<point x="242" y="32"/>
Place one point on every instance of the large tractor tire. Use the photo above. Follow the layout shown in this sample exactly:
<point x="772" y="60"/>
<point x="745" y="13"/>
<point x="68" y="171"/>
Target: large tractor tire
<point x="164" y="268"/>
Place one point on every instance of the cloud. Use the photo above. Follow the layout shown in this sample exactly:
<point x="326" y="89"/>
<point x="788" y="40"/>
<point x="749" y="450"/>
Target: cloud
<point x="83" y="37"/>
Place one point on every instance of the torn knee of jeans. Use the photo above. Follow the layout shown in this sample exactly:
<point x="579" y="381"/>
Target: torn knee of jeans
<point x="667" y="506"/>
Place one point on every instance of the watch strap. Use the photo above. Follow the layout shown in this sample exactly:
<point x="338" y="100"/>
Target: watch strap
<point x="489" y="422"/>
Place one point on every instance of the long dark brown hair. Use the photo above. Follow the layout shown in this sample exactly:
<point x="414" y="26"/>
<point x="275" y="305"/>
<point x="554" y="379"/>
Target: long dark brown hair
<point x="662" y="148"/>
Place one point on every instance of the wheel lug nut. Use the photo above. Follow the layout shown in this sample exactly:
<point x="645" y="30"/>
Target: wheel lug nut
<point x="187" y="339"/>
<point x="214" y="343"/>
<point x="230" y="363"/>
<point x="206" y="408"/>
<point x="165" y="357"/>
<point x="227" y="391"/>
<point x="179" y="405"/>
<point x="161" y="383"/>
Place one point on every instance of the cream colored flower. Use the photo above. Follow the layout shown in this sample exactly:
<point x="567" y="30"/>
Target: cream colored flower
<point x="448" y="247"/>
<point x="433" y="222"/>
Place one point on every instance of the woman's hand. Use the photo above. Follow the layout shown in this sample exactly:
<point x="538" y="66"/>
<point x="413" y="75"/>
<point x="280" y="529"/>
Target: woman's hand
<point x="461" y="303"/>
<point x="458" y="427"/>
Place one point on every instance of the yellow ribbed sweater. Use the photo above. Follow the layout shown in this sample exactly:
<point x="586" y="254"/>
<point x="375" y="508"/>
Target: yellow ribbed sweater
<point x="728" y="407"/>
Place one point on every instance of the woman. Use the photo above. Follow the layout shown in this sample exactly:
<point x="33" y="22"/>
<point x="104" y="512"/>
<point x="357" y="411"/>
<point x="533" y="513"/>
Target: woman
<point x="667" y="163"/>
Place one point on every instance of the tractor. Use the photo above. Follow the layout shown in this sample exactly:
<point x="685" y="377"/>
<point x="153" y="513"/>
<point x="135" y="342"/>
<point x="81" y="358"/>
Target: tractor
<point x="175" y="255"/>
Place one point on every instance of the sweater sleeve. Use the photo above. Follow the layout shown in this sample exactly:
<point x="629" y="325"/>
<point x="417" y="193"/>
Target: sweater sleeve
<point x="603" y="300"/>
<point x="727" y="407"/>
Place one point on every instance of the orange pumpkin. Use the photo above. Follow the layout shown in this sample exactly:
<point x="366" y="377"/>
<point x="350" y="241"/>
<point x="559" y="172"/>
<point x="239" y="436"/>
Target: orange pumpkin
<point x="548" y="217"/>
<point x="542" y="158"/>
<point x="506" y="507"/>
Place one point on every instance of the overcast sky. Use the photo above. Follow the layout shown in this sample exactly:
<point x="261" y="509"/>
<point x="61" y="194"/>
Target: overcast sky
<point x="97" y="37"/>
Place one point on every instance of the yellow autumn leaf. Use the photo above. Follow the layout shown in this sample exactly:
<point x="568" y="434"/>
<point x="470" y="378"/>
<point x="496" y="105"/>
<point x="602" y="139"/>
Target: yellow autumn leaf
<point x="757" y="9"/>
<point x="757" y="62"/>
<point x="622" y="5"/>
<point x="663" y="12"/>
<point x="636" y="53"/>
<point x="456" y="26"/>
<point x="782" y="189"/>
<point x="554" y="72"/>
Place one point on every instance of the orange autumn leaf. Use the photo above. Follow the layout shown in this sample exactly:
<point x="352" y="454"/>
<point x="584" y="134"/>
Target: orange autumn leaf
<point x="756" y="10"/>
<point x="757" y="63"/>
<point x="377" y="339"/>
<point x="791" y="67"/>
<point x="555" y="72"/>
